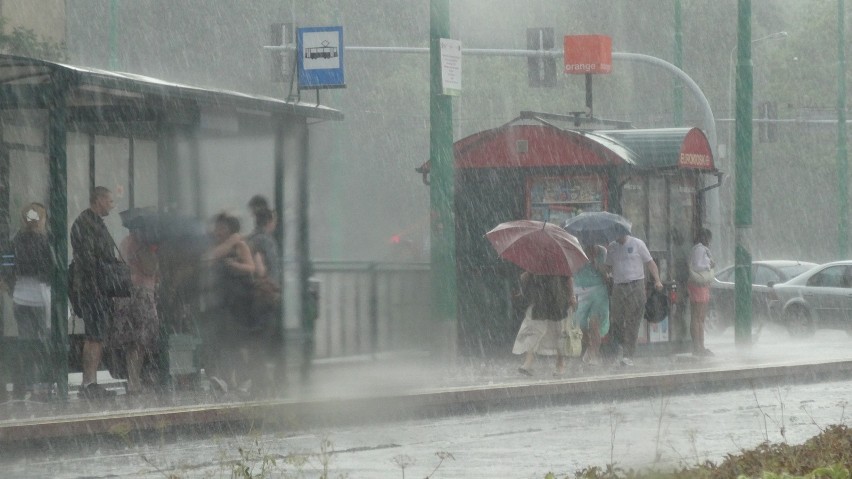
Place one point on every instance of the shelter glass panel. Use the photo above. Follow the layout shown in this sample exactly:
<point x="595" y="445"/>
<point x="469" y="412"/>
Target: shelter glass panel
<point x="112" y="171"/>
<point x="28" y="182"/>
<point x="633" y="205"/>
<point x="658" y="215"/>
<point x="681" y="220"/>
<point x="77" y="152"/>
<point x="145" y="188"/>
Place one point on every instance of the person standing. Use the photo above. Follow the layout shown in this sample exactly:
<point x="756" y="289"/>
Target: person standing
<point x="267" y="306"/>
<point x="699" y="294"/>
<point x="592" y="315"/>
<point x="549" y="298"/>
<point x="232" y="267"/>
<point x="31" y="294"/>
<point x="136" y="327"/>
<point x="93" y="247"/>
<point x="626" y="259"/>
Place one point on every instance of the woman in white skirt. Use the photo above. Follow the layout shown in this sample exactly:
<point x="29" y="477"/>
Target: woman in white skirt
<point x="549" y="298"/>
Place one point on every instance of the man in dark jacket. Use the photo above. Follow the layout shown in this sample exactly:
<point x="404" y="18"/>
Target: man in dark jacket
<point x="93" y="246"/>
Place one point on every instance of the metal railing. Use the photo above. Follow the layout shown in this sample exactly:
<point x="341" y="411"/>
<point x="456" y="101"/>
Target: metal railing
<point x="366" y="308"/>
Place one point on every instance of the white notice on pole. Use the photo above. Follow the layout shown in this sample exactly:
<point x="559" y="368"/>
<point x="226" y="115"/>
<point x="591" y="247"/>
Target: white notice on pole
<point x="451" y="70"/>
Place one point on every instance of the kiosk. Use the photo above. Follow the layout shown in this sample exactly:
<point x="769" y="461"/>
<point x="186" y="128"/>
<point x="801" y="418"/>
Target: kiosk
<point x="533" y="168"/>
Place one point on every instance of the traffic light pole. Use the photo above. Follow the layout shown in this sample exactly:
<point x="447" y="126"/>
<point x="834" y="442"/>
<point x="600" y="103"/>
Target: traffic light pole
<point x="442" y="245"/>
<point x="743" y="175"/>
<point x="842" y="155"/>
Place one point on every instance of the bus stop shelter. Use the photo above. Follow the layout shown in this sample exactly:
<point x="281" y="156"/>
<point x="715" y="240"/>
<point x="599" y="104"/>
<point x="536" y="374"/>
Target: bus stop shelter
<point x="65" y="129"/>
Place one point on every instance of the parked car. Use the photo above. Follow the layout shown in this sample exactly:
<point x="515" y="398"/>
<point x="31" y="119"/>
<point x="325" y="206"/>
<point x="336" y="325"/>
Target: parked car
<point x="764" y="274"/>
<point x="818" y="298"/>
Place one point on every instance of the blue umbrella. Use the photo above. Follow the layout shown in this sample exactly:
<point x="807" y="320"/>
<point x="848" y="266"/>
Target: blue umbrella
<point x="596" y="227"/>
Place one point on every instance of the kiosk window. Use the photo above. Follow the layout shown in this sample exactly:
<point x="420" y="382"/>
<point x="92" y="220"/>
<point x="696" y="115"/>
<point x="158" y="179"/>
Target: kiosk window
<point x="558" y="198"/>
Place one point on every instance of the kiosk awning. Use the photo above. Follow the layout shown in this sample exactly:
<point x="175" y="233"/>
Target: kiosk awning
<point x="529" y="142"/>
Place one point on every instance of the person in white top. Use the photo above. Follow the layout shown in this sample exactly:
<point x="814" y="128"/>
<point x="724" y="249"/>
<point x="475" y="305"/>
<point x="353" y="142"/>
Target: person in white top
<point x="699" y="294"/>
<point x="626" y="260"/>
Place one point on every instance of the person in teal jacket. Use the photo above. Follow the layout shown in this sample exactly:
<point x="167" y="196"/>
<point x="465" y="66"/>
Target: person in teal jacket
<point x="592" y="315"/>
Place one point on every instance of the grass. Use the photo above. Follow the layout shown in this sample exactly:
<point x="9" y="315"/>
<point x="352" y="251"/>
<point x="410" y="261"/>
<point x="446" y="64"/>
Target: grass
<point x="826" y="455"/>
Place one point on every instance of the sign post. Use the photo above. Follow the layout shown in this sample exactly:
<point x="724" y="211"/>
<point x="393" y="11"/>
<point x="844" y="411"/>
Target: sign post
<point x="587" y="55"/>
<point x="441" y="188"/>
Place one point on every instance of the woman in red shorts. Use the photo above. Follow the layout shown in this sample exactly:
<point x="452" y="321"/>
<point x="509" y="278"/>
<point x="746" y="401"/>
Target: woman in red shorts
<point x="699" y="294"/>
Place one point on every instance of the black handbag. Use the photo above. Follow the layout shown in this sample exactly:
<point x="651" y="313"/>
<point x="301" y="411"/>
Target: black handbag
<point x="656" y="307"/>
<point x="115" y="277"/>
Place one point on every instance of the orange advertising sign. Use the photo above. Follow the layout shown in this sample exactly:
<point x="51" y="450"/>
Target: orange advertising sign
<point x="587" y="54"/>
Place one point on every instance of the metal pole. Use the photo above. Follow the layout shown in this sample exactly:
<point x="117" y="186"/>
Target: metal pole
<point x="113" y="36"/>
<point x="442" y="245"/>
<point x="742" y="213"/>
<point x="842" y="159"/>
<point x="677" y="117"/>
<point x="58" y="226"/>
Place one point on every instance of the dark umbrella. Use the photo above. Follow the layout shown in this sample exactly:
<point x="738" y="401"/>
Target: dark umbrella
<point x="598" y="227"/>
<point x="540" y="248"/>
<point x="156" y="227"/>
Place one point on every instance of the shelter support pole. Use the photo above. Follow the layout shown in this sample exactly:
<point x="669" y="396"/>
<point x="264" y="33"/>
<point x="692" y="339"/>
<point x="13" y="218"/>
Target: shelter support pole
<point x="442" y="243"/>
<point x="842" y="154"/>
<point x="306" y="312"/>
<point x="57" y="230"/>
<point x="742" y="211"/>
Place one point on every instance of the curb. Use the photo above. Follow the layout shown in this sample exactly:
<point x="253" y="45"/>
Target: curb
<point x="299" y="414"/>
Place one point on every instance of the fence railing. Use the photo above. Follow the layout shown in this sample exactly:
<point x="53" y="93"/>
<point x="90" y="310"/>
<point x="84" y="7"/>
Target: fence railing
<point x="366" y="308"/>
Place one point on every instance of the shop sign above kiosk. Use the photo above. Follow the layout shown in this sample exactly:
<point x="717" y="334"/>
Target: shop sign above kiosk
<point x="587" y="54"/>
<point x="319" y="52"/>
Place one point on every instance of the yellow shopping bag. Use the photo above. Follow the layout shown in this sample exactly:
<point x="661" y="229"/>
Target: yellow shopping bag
<point x="572" y="336"/>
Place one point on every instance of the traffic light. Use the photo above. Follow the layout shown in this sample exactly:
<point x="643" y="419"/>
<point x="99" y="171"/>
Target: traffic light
<point x="767" y="128"/>
<point x="282" y="66"/>
<point x="541" y="70"/>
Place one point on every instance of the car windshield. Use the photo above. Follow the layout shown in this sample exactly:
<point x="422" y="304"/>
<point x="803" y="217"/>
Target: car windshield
<point x="794" y="270"/>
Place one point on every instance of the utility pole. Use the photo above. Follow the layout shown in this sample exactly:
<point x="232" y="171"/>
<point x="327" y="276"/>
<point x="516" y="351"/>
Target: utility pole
<point x="441" y="197"/>
<point x="743" y="171"/>
<point x="678" y="62"/>
<point x="842" y="159"/>
<point x="113" y="36"/>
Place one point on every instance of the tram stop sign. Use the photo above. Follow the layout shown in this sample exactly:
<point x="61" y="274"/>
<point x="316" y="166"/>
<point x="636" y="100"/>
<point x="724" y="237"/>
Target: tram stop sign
<point x="587" y="54"/>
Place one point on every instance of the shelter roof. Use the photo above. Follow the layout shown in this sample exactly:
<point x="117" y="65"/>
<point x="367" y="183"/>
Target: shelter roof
<point x="110" y="86"/>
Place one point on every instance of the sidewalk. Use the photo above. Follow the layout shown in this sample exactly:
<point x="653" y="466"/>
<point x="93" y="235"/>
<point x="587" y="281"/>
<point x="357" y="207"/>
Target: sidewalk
<point x="404" y="385"/>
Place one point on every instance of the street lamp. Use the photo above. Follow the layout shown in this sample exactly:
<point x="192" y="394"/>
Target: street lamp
<point x="771" y="36"/>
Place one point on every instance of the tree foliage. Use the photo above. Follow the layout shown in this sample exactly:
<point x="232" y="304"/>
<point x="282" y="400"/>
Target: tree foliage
<point x="26" y="42"/>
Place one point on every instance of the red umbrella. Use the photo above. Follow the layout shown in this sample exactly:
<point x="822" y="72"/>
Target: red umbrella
<point x="538" y="247"/>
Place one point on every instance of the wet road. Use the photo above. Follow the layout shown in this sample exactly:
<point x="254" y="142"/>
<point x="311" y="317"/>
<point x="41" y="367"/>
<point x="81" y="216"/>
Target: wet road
<point x="661" y="431"/>
<point x="651" y="432"/>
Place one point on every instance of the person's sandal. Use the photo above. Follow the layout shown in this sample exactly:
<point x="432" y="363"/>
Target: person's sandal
<point x="525" y="371"/>
<point x="95" y="391"/>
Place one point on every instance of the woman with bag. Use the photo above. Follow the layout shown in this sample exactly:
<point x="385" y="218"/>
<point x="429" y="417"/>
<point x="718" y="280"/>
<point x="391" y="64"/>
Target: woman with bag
<point x="136" y="327"/>
<point x="31" y="294"/>
<point x="549" y="299"/>
<point x="700" y="275"/>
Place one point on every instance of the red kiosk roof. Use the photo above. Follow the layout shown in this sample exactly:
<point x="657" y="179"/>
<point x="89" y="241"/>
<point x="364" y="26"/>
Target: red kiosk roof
<point x="540" y="144"/>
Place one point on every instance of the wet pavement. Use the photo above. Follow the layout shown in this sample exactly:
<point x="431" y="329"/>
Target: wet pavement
<point x="662" y="429"/>
<point x="402" y="382"/>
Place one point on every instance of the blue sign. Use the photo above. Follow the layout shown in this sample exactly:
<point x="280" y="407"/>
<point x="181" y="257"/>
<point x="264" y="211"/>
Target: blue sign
<point x="320" y="57"/>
